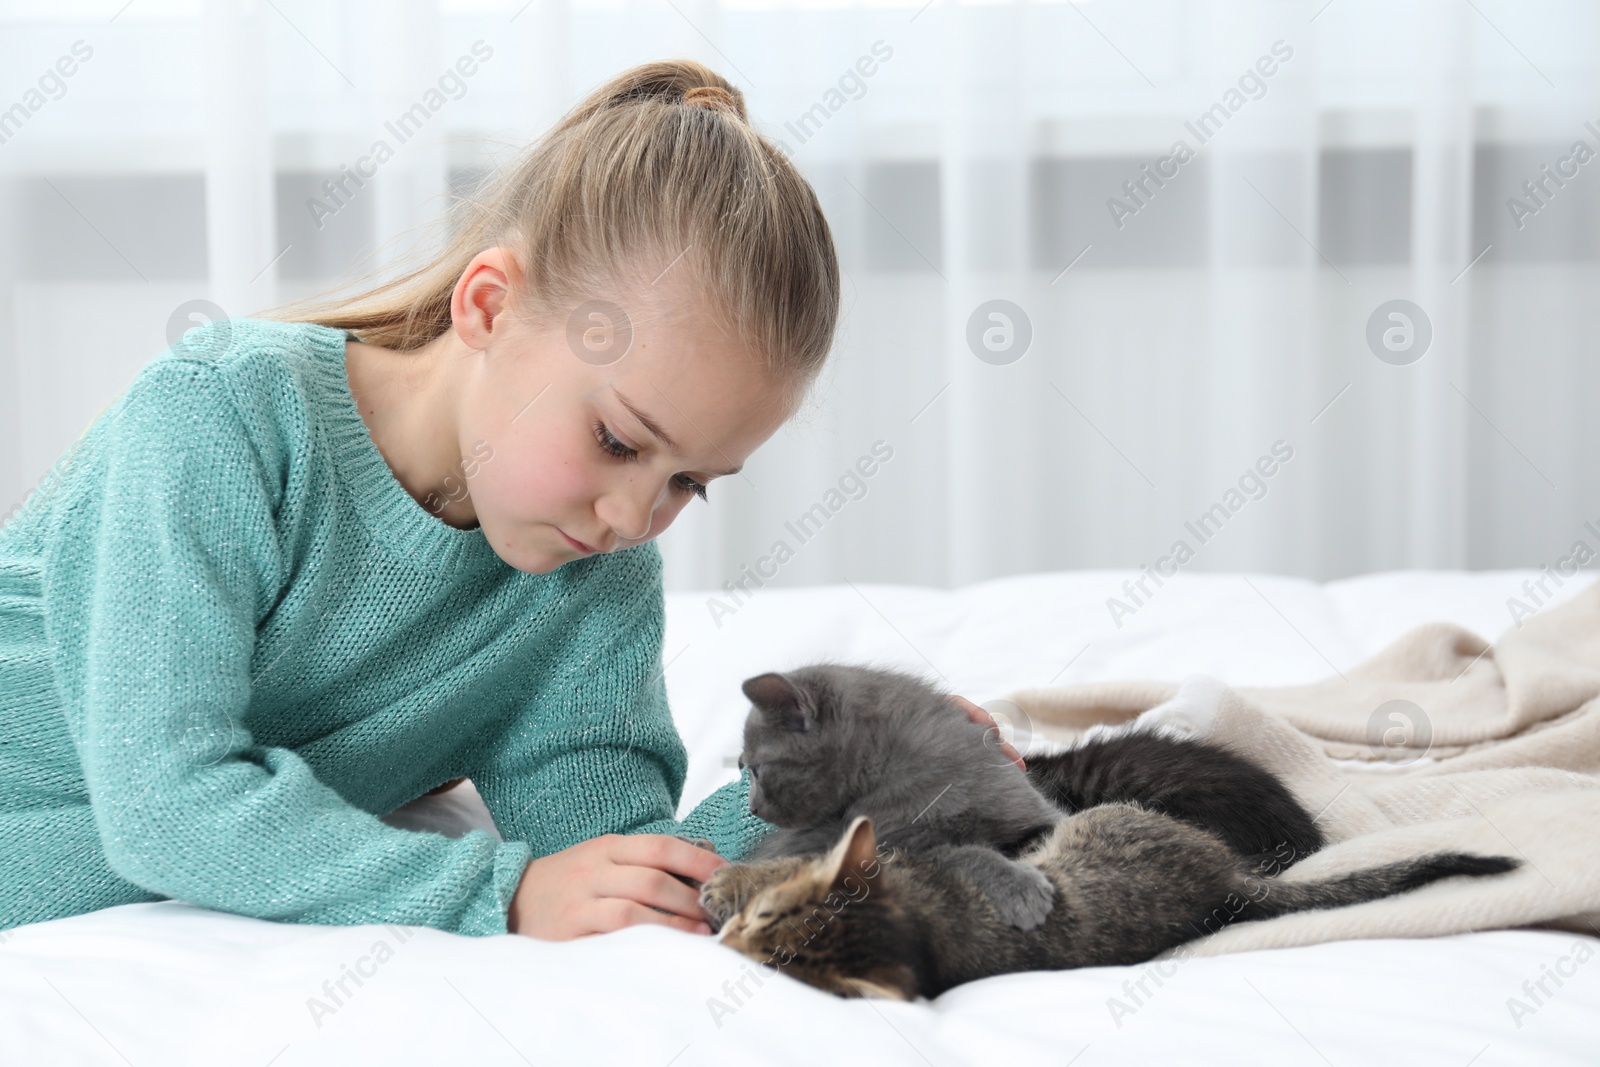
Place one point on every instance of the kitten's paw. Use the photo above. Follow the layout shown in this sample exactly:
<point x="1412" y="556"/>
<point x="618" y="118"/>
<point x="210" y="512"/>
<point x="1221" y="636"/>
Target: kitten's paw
<point x="732" y="887"/>
<point x="1020" y="893"/>
<point x="1026" y="900"/>
<point x="720" y="896"/>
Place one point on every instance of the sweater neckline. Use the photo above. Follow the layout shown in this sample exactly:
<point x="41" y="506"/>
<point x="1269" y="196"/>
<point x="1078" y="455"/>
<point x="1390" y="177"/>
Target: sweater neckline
<point x="390" y="513"/>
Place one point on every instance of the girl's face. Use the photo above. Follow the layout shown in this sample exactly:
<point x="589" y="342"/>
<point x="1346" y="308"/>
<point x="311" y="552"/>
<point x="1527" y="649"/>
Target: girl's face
<point x="564" y="456"/>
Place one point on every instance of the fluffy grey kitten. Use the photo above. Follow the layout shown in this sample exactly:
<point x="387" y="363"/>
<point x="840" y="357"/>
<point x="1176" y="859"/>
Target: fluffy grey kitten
<point x="829" y="742"/>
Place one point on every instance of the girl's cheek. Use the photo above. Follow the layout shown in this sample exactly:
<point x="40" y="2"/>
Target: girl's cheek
<point x="541" y="475"/>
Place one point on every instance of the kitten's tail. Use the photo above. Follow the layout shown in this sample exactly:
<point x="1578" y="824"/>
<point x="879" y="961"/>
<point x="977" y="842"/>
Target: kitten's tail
<point x="1269" y="898"/>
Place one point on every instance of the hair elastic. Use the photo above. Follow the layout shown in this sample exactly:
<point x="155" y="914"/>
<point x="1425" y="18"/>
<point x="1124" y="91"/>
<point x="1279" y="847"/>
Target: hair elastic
<point x="711" y="98"/>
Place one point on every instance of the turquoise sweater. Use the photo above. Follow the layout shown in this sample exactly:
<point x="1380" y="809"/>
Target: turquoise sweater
<point x="230" y="641"/>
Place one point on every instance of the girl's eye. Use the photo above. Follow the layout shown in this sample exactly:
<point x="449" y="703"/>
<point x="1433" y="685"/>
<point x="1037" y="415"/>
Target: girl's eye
<point x="613" y="447"/>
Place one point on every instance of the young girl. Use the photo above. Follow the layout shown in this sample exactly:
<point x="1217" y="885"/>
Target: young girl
<point x="305" y="570"/>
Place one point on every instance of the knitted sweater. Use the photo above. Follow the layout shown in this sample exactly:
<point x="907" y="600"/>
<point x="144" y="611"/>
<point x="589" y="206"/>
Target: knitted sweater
<point x="230" y="641"/>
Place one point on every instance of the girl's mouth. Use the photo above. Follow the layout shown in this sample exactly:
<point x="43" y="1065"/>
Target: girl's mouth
<point x="579" y="545"/>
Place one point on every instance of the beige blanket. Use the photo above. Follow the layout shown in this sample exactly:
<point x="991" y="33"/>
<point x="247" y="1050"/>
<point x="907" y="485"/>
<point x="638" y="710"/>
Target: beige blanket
<point x="1440" y="741"/>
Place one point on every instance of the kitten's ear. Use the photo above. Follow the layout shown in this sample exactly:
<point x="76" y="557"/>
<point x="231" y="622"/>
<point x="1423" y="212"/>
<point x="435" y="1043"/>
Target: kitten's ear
<point x="854" y="860"/>
<point x="781" y="699"/>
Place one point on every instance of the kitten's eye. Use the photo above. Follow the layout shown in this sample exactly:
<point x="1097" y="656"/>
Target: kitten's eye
<point x="754" y="769"/>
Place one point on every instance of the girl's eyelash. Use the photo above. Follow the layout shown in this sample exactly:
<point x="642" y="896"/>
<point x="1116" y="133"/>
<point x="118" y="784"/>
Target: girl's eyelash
<point x="615" y="448"/>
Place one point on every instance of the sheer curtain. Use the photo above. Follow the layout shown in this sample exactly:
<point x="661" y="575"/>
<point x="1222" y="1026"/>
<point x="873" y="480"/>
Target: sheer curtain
<point x="1120" y="276"/>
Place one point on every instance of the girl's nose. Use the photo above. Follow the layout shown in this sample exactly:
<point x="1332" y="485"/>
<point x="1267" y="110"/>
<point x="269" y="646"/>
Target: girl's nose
<point x="629" y="512"/>
<point x="635" y="525"/>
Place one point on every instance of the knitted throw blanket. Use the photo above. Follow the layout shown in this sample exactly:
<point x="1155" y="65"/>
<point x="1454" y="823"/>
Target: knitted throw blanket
<point x="1443" y="741"/>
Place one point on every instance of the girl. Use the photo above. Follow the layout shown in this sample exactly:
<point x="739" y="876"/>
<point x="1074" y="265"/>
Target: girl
<point x="305" y="570"/>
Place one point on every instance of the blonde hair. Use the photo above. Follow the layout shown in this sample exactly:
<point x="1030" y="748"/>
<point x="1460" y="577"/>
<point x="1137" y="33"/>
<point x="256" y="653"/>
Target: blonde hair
<point x="657" y="172"/>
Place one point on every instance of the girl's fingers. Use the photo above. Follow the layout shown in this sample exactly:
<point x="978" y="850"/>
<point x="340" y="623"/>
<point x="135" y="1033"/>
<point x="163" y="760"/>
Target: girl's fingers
<point x="670" y="854"/>
<point x="978" y="715"/>
<point x="613" y="913"/>
<point x="649" y="886"/>
<point x="973" y="711"/>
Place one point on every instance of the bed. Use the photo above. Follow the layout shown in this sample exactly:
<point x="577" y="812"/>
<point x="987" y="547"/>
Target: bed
<point x="171" y="984"/>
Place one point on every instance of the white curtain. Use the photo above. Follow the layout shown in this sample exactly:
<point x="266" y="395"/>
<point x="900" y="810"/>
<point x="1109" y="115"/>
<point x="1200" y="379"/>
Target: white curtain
<point x="1187" y="332"/>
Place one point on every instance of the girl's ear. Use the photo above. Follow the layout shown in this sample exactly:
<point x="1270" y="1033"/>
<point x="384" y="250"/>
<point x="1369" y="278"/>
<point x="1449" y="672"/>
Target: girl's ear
<point x="781" y="700"/>
<point x="482" y="295"/>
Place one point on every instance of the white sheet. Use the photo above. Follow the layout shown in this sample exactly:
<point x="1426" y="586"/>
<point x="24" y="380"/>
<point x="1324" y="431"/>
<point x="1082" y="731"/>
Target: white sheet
<point x="167" y="983"/>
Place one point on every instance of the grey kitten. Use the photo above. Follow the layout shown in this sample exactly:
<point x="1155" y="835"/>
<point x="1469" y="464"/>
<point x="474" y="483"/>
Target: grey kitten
<point x="830" y="742"/>
<point x="1129" y="884"/>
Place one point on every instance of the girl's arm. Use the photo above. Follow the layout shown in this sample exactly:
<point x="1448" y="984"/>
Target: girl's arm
<point x="597" y="761"/>
<point x="724" y="818"/>
<point x="595" y="751"/>
<point x="154" y="589"/>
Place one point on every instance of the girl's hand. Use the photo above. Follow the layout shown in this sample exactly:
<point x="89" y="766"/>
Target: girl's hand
<point x="983" y="718"/>
<point x="613" y="881"/>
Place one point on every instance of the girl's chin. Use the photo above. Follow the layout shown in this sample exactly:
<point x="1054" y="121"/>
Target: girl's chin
<point x="534" y="563"/>
<point x="525" y="557"/>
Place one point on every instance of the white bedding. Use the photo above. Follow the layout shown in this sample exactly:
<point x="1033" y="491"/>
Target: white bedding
<point x="170" y="984"/>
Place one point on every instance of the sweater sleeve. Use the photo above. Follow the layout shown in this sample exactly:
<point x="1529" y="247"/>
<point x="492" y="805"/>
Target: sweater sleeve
<point x="597" y="751"/>
<point x="156" y="594"/>
<point x="724" y="818"/>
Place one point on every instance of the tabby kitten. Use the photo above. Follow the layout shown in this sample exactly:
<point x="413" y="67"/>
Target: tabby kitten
<point x="828" y="742"/>
<point x="1129" y="884"/>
